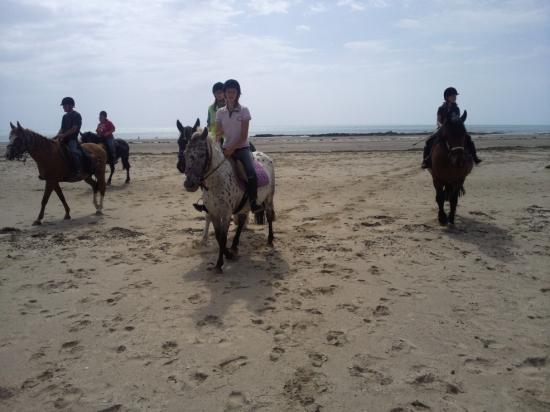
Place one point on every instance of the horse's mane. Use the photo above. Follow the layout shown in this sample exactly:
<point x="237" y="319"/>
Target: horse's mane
<point x="36" y="140"/>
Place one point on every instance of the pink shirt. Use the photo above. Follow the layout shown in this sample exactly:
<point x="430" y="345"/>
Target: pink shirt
<point x="232" y="124"/>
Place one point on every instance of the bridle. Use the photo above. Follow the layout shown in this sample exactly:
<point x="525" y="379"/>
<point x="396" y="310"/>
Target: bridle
<point x="205" y="174"/>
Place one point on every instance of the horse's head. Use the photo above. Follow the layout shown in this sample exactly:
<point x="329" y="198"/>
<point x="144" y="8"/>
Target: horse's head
<point x="454" y="136"/>
<point x="89" y="137"/>
<point x="185" y="134"/>
<point x="18" y="143"/>
<point x="197" y="160"/>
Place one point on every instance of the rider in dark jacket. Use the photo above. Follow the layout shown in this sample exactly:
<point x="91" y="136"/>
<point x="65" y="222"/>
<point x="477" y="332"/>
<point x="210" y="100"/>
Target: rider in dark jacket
<point x="68" y="133"/>
<point x="448" y="109"/>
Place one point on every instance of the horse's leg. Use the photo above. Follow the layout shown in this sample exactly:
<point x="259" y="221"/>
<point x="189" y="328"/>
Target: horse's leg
<point x="270" y="214"/>
<point x="101" y="187"/>
<point x="126" y="165"/>
<point x="93" y="183"/>
<point x="47" y="192"/>
<point x="61" y="197"/>
<point x="111" y="175"/>
<point x="241" y="219"/>
<point x="454" y="202"/>
<point x="440" y="199"/>
<point x="205" y="230"/>
<point x="221" y="227"/>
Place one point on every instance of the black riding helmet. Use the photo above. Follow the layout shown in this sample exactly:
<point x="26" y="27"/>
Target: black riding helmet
<point x="67" y="100"/>
<point x="449" y="91"/>
<point x="217" y="87"/>
<point x="232" y="84"/>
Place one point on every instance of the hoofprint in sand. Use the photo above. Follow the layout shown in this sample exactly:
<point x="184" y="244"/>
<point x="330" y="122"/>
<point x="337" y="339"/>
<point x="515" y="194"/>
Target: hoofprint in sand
<point x="364" y="302"/>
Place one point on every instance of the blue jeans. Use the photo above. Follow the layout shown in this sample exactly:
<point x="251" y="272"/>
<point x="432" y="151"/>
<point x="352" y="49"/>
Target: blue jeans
<point x="74" y="152"/>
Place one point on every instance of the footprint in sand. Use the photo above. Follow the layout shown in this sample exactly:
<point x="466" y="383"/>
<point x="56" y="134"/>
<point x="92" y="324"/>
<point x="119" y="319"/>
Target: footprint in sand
<point x="317" y="359"/>
<point x="236" y="401"/>
<point x="304" y="386"/>
<point x="336" y="338"/>
<point x="276" y="353"/>
<point x="210" y="320"/>
<point x="231" y="365"/>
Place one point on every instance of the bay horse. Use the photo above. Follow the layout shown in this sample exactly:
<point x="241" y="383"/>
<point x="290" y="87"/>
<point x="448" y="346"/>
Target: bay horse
<point x="450" y="166"/>
<point x="122" y="152"/>
<point x="53" y="166"/>
<point x="206" y="167"/>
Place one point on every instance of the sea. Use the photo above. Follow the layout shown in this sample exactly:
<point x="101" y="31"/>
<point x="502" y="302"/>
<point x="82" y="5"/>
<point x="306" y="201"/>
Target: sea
<point x="307" y="130"/>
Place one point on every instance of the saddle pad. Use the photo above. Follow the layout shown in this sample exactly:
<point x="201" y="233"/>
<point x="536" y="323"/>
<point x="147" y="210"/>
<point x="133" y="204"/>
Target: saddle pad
<point x="261" y="173"/>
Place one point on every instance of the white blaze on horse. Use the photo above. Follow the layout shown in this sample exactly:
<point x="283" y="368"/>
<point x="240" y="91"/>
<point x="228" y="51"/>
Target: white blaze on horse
<point x="223" y="189"/>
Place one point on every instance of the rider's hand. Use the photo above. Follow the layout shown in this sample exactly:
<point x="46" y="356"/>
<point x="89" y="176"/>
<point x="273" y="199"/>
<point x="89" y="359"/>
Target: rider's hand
<point x="228" y="152"/>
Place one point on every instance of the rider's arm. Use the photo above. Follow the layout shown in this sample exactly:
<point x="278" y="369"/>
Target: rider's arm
<point x="219" y="131"/>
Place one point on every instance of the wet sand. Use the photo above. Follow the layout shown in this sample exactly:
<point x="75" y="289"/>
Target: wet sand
<point x="364" y="302"/>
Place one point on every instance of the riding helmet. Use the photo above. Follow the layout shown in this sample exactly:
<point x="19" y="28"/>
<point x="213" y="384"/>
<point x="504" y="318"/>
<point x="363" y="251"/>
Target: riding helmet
<point x="217" y="87"/>
<point x="450" y="91"/>
<point x="232" y="84"/>
<point x="67" y="100"/>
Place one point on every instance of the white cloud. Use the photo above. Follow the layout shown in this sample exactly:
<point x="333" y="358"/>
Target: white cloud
<point x="376" y="46"/>
<point x="266" y="7"/>
<point x="317" y="8"/>
<point x="451" y="46"/>
<point x="352" y="4"/>
<point x="408" y="24"/>
<point x="303" y="28"/>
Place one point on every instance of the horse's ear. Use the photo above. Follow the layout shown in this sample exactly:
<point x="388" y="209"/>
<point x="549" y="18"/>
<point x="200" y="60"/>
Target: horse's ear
<point x="19" y="125"/>
<point x="179" y="126"/>
<point x="464" y="116"/>
<point x="196" y="125"/>
<point x="204" y="134"/>
<point x="12" y="126"/>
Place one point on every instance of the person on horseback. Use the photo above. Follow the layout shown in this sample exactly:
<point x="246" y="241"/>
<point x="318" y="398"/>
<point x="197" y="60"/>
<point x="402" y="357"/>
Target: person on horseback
<point x="68" y="134"/>
<point x="105" y="130"/>
<point x="232" y="122"/>
<point x="448" y="109"/>
<point x="219" y="102"/>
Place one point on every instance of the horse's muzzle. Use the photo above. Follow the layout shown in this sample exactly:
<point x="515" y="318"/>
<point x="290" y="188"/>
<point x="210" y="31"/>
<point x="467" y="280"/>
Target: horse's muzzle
<point x="190" y="187"/>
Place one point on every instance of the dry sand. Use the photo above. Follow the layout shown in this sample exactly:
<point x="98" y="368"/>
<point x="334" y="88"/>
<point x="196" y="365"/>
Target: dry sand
<point x="364" y="304"/>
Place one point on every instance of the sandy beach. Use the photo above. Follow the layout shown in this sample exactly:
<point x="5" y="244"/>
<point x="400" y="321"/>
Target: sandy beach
<point x="364" y="303"/>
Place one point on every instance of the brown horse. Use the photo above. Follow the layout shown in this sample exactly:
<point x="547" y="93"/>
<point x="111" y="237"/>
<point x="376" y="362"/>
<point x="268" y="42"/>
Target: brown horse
<point x="53" y="166"/>
<point x="450" y="166"/>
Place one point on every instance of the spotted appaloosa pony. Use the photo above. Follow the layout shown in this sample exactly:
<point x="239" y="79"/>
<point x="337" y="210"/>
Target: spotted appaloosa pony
<point x="207" y="167"/>
<point x="122" y="152"/>
<point x="53" y="166"/>
<point x="450" y="166"/>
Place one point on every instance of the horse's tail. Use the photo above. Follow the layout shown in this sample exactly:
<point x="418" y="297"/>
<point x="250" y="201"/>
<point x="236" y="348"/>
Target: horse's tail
<point x="123" y="151"/>
<point x="449" y="190"/>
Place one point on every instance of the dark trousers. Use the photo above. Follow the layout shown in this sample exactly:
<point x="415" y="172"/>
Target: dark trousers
<point x="74" y="153"/>
<point x="245" y="157"/>
<point x="110" y="144"/>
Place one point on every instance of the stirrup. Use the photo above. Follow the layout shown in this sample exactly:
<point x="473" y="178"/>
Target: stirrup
<point x="199" y="207"/>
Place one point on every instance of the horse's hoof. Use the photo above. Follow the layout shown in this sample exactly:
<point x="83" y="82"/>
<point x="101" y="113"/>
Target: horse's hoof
<point x="67" y="217"/>
<point x="98" y="213"/>
<point x="442" y="219"/>
<point x="127" y="181"/>
<point x="229" y="255"/>
<point x="108" y="183"/>
<point x="36" y="223"/>
<point x="218" y="270"/>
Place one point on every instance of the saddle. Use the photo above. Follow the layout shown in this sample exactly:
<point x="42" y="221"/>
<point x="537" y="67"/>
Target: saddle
<point x="86" y="163"/>
<point x="238" y="168"/>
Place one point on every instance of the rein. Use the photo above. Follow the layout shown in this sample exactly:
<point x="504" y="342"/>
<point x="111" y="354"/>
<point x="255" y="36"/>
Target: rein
<point x="208" y="164"/>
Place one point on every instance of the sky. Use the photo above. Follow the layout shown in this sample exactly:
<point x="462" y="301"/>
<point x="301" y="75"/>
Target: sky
<point x="342" y="62"/>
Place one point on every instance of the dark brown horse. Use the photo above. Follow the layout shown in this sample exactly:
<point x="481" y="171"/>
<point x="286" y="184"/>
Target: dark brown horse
<point x="450" y="166"/>
<point x="53" y="166"/>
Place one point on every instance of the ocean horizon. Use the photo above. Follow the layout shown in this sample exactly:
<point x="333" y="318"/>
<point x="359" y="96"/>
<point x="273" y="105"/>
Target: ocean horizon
<point x="308" y="130"/>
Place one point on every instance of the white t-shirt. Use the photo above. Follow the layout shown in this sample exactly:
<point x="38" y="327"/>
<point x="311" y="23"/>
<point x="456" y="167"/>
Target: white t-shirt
<point x="232" y="124"/>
